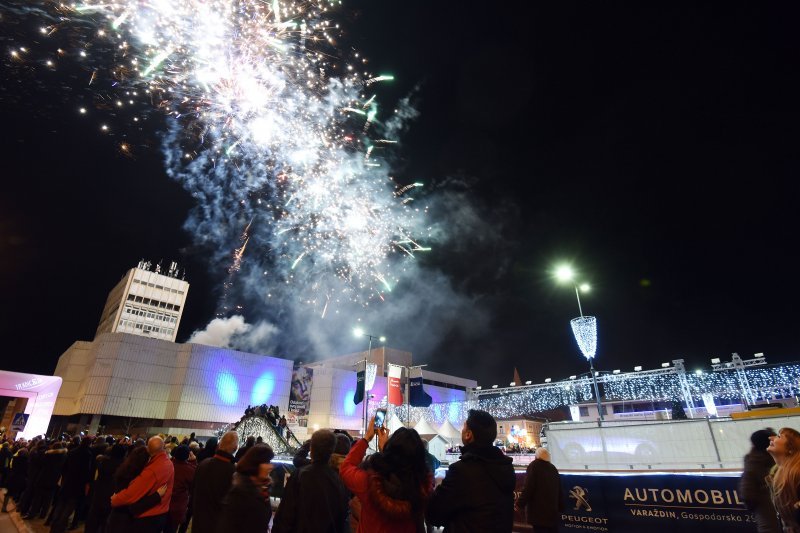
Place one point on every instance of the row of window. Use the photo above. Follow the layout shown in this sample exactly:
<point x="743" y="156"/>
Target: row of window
<point x="135" y="311"/>
<point x="153" y="302"/>
<point x="146" y="328"/>
<point x="176" y="291"/>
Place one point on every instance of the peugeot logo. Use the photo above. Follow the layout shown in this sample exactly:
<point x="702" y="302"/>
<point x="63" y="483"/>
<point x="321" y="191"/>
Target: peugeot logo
<point x="580" y="495"/>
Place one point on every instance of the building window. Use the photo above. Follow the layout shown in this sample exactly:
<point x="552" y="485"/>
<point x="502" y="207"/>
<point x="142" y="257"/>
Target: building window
<point x="584" y="411"/>
<point x="138" y="299"/>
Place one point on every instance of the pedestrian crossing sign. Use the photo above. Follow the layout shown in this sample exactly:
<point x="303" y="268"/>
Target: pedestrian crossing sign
<point x="19" y="421"/>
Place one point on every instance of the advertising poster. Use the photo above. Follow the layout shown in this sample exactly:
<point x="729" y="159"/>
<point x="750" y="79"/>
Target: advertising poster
<point x="654" y="503"/>
<point x="300" y="394"/>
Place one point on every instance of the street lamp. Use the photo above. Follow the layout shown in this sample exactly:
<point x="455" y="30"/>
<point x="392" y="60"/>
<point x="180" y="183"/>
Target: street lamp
<point x="368" y="369"/>
<point x="584" y="328"/>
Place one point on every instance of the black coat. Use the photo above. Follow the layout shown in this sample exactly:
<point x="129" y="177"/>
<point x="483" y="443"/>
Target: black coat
<point x="315" y="501"/>
<point x="244" y="508"/>
<point x="19" y="474"/>
<point x="542" y="495"/>
<point x="212" y="480"/>
<point x="103" y="486"/>
<point x="477" y="494"/>
<point x="77" y="472"/>
<point x="52" y="464"/>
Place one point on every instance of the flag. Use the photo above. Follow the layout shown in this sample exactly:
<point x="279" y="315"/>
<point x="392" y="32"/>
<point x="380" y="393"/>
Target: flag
<point x="358" y="397"/>
<point x="417" y="395"/>
<point x="395" y="392"/>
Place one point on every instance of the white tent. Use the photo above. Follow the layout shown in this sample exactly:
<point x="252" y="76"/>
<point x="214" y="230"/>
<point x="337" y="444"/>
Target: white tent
<point x="437" y="446"/>
<point x="449" y="432"/>
<point x="393" y="423"/>
<point x="424" y="428"/>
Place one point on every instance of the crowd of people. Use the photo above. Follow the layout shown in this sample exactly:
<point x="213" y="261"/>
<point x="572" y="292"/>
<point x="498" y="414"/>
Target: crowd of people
<point x="273" y="416"/>
<point x="164" y="485"/>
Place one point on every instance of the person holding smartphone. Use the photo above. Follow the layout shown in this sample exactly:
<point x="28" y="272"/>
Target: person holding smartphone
<point x="392" y="485"/>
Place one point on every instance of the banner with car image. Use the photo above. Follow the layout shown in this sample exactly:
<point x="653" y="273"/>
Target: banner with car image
<point x="694" y="503"/>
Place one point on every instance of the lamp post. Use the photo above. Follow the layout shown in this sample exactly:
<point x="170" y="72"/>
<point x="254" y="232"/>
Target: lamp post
<point x="584" y="328"/>
<point x="358" y="332"/>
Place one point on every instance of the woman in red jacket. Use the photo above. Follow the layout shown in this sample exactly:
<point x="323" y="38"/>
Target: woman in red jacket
<point x="393" y="485"/>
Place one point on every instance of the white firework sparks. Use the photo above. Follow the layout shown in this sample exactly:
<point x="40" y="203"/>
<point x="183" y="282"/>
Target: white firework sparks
<point x="270" y="128"/>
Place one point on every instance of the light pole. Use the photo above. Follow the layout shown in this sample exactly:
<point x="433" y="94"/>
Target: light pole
<point x="584" y="328"/>
<point x="358" y="332"/>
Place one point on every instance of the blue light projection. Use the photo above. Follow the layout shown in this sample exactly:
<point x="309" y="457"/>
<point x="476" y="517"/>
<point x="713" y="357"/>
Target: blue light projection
<point x="227" y="388"/>
<point x="262" y="389"/>
<point x="348" y="405"/>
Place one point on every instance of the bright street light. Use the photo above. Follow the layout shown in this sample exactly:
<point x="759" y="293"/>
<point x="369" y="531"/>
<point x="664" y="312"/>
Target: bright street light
<point x="358" y="332"/>
<point x="564" y="273"/>
<point x="584" y="328"/>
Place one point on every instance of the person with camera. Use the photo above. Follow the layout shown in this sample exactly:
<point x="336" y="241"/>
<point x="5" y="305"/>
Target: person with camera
<point x="392" y="485"/>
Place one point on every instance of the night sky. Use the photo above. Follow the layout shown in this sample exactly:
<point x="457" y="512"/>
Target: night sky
<point x="655" y="147"/>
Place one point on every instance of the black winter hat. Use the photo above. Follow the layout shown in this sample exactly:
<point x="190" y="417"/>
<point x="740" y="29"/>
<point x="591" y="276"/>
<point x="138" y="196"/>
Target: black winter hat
<point x="180" y="453"/>
<point x="760" y="438"/>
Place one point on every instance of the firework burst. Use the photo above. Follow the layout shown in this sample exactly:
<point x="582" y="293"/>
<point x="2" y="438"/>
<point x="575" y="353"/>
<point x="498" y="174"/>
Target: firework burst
<point x="270" y="131"/>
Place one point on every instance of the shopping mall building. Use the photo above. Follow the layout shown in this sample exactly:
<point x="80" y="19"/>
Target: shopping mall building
<point x="133" y="378"/>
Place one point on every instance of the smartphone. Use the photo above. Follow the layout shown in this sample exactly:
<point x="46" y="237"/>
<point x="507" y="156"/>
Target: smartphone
<point x="380" y="416"/>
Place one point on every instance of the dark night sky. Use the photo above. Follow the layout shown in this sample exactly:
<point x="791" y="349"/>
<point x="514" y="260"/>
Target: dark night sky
<point x="655" y="146"/>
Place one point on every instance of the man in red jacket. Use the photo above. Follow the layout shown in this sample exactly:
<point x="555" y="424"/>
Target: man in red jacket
<point x="159" y="471"/>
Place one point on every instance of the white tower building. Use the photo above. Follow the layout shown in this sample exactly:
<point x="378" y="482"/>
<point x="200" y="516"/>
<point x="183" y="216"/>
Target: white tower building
<point x="145" y="302"/>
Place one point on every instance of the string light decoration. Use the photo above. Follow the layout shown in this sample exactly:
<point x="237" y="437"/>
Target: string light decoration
<point x="372" y="371"/>
<point x="767" y="383"/>
<point x="585" y="330"/>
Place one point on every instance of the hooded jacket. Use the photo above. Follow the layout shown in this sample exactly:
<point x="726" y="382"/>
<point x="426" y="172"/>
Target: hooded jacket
<point x="477" y="494"/>
<point x="52" y="463"/>
<point x="382" y="511"/>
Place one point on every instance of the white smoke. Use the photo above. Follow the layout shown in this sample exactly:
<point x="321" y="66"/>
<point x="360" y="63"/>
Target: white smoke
<point x="234" y="332"/>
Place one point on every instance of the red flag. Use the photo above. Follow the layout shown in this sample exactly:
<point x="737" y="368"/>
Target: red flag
<point x="395" y="392"/>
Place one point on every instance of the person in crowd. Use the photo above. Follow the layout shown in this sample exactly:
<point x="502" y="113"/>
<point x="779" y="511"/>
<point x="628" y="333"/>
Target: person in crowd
<point x="477" y="494"/>
<point x="249" y="443"/>
<point x="35" y="460"/>
<point x="315" y="499"/>
<point x="247" y="507"/>
<point x="393" y="485"/>
<point x="300" y="458"/>
<point x="753" y="487"/>
<point x="5" y="463"/>
<point x="212" y="480"/>
<point x="432" y="462"/>
<point x="105" y="469"/>
<point x="184" y="478"/>
<point x="542" y="496"/>
<point x="122" y="518"/>
<point x="46" y="482"/>
<point x="784" y="480"/>
<point x="17" y="477"/>
<point x="208" y="451"/>
<point x="282" y="425"/>
<point x="159" y="471"/>
<point x="74" y="483"/>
